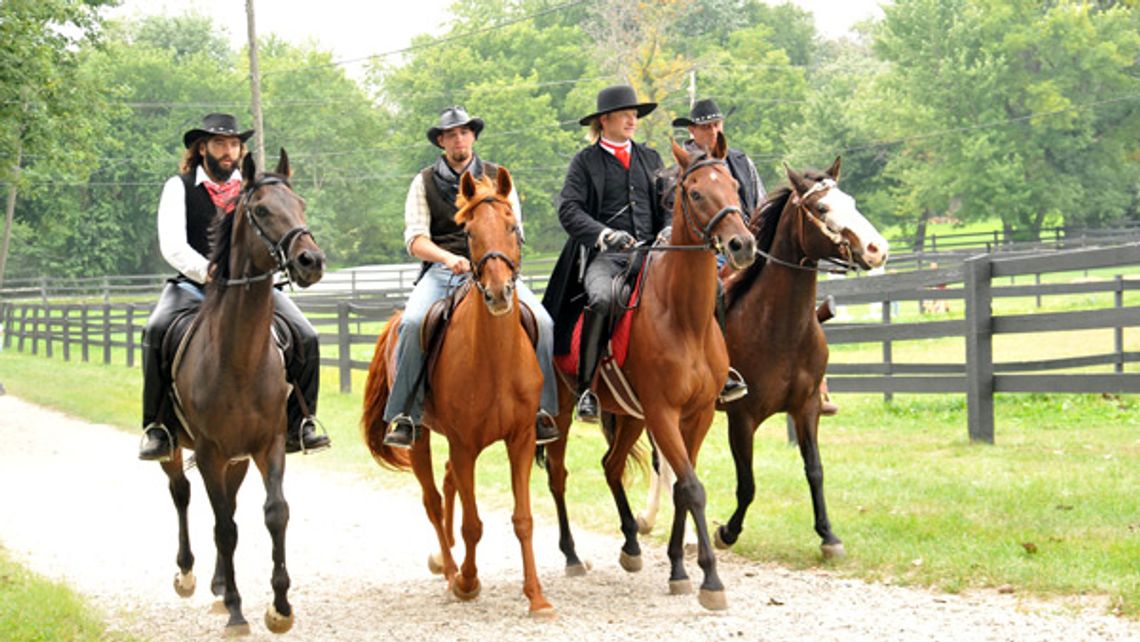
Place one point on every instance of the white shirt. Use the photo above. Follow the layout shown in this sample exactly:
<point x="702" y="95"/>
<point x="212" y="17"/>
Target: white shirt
<point x="172" y="239"/>
<point x="417" y="215"/>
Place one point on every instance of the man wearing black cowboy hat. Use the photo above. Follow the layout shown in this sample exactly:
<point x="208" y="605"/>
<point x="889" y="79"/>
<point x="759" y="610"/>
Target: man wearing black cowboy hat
<point x="705" y="121"/>
<point x="432" y="235"/>
<point x="207" y="186"/>
<point x="607" y="205"/>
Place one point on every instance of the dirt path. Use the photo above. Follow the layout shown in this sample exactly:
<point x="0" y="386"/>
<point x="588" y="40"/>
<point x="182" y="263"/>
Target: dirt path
<point x="77" y="506"/>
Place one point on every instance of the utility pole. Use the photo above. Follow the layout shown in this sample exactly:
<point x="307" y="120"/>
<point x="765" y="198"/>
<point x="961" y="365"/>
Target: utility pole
<point x="692" y="87"/>
<point x="255" y="87"/>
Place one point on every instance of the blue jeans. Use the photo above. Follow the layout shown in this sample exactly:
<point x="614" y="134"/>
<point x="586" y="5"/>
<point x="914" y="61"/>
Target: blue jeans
<point x="407" y="394"/>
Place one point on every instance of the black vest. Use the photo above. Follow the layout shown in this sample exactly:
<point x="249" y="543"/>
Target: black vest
<point x="445" y="232"/>
<point x="200" y="213"/>
<point x="738" y="165"/>
<point x="625" y="199"/>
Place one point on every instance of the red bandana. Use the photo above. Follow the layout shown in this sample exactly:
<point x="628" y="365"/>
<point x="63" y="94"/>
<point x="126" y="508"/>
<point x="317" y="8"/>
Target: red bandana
<point x="621" y="153"/>
<point x="225" y="195"/>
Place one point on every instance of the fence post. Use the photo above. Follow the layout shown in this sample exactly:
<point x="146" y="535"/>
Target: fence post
<point x="85" y="334"/>
<point x="979" y="349"/>
<point x="1118" y="331"/>
<point x="48" y="334"/>
<point x="887" y="357"/>
<point x="23" y="326"/>
<point x="1037" y="282"/>
<point x="344" y="357"/>
<point x="130" y="335"/>
<point x="9" y="324"/>
<point x="107" y="333"/>
<point x="67" y="333"/>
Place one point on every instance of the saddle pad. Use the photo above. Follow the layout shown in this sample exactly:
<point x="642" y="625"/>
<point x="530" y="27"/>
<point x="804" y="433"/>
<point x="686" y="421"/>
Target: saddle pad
<point x="619" y="338"/>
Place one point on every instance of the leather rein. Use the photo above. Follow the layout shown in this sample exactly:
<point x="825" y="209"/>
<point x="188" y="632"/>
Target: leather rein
<point x="279" y="250"/>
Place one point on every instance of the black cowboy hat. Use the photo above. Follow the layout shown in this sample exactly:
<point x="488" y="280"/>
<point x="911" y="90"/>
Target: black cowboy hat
<point x="216" y="125"/>
<point x="703" y="111"/>
<point x="615" y="98"/>
<point x="451" y="118"/>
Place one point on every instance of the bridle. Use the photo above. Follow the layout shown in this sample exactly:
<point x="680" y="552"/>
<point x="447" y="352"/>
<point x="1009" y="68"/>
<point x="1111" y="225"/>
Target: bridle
<point x="846" y="263"/>
<point x="477" y="269"/>
<point x="704" y="235"/>
<point x="280" y="250"/>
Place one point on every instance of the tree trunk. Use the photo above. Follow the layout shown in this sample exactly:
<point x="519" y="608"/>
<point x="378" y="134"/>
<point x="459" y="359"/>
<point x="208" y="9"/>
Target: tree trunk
<point x="10" y="210"/>
<point x="920" y="230"/>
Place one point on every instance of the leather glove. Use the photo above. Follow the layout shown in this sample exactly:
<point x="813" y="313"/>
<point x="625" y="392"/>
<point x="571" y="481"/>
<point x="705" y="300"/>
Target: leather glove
<point x="617" y="240"/>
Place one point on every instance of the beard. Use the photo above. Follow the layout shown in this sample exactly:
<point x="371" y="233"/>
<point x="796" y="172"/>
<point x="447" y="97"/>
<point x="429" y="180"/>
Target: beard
<point x="214" y="167"/>
<point x="460" y="157"/>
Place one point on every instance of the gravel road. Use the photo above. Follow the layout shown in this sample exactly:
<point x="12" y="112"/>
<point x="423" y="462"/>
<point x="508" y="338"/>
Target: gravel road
<point x="78" y="507"/>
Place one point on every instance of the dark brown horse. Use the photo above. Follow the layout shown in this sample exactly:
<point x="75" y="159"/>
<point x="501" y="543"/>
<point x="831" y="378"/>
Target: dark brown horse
<point x="230" y="380"/>
<point x="774" y="337"/>
<point x="676" y="363"/>
<point x="485" y="387"/>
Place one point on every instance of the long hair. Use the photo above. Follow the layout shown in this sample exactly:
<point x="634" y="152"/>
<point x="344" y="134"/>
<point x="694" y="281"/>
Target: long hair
<point x="195" y="155"/>
<point x="594" y="133"/>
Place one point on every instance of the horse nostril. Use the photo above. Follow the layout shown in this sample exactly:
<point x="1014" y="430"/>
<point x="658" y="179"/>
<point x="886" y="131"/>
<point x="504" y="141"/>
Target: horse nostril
<point x="735" y="244"/>
<point x="872" y="249"/>
<point x="306" y="259"/>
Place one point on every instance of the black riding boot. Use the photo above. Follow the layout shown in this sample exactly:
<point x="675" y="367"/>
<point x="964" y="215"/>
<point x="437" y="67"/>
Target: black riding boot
<point x="589" y="348"/>
<point x="734" y="387"/>
<point x="158" y="442"/>
<point x="303" y="369"/>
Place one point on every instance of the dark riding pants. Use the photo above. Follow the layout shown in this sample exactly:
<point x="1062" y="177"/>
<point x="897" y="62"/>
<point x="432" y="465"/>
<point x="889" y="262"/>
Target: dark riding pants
<point x="598" y="283"/>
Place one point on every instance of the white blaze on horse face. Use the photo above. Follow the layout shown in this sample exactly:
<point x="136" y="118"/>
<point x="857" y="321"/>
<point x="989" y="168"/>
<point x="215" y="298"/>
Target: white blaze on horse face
<point x="842" y="215"/>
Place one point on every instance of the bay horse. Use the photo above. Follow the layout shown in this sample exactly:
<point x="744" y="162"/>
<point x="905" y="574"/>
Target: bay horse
<point x="774" y="336"/>
<point x="230" y="380"/>
<point x="676" y="363"/>
<point x="484" y="387"/>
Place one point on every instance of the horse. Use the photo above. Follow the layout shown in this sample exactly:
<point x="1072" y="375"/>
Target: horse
<point x="484" y="387"/>
<point x="774" y="336"/>
<point x="676" y="363"/>
<point x="230" y="381"/>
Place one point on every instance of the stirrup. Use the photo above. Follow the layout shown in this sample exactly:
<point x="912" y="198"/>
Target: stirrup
<point x="547" y="419"/>
<point x="734" y="387"/>
<point x="391" y="436"/>
<point x="169" y="441"/>
<point x="324" y="443"/>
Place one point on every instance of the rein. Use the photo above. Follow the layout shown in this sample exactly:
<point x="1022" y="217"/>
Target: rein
<point x="846" y="265"/>
<point x="280" y="250"/>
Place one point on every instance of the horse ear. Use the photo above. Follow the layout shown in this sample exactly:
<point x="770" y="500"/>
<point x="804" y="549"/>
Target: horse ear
<point x="466" y="186"/>
<point x="680" y="155"/>
<point x="248" y="169"/>
<point x="504" y="184"/>
<point x="833" y="171"/>
<point x="283" y="165"/>
<point x="797" y="181"/>
<point x="720" y="149"/>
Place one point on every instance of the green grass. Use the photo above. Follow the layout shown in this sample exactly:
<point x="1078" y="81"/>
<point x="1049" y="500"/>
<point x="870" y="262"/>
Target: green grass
<point x="33" y="609"/>
<point x="914" y="501"/>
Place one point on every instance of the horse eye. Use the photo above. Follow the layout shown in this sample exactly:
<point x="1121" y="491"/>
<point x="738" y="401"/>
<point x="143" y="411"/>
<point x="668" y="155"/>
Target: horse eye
<point x="695" y="195"/>
<point x="823" y="209"/>
<point x="261" y="211"/>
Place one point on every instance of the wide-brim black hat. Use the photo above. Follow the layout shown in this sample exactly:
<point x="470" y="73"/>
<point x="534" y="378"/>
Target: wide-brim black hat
<point x="451" y="118"/>
<point x="216" y="125"/>
<point x="616" y="98"/>
<point x="703" y="111"/>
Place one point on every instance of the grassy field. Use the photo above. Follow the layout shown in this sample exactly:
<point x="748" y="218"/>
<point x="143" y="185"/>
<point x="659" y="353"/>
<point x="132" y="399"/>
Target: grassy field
<point x="1050" y="509"/>
<point x="33" y="608"/>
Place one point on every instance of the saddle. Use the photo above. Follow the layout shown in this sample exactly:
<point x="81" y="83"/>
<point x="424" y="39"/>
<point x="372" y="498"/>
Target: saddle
<point x="438" y="317"/>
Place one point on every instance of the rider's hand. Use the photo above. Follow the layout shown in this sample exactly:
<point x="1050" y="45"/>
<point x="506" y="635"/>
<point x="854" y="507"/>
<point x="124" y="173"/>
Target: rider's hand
<point x="617" y="240"/>
<point x="458" y="264"/>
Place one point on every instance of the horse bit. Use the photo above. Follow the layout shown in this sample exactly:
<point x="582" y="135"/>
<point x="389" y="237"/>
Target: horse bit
<point x="280" y="250"/>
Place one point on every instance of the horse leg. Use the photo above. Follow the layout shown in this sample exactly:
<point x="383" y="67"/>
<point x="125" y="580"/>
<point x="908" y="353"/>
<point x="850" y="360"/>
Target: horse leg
<point x="626" y="433"/>
<point x="556" y="475"/>
<point x="741" y="433"/>
<point x="184" y="581"/>
<point x="449" y="503"/>
<point x="661" y="478"/>
<point x="440" y="561"/>
<point x="279" y="615"/>
<point x="807" y="431"/>
<point x="214" y="474"/>
<point x="465" y="586"/>
<point x="234" y="475"/>
<point x="520" y="449"/>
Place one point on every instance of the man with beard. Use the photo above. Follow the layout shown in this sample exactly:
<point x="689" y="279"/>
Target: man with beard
<point x="207" y="186"/>
<point x="432" y="235"/>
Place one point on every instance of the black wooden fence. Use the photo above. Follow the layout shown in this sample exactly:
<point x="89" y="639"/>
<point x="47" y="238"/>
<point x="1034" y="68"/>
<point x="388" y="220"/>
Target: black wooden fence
<point x="350" y="319"/>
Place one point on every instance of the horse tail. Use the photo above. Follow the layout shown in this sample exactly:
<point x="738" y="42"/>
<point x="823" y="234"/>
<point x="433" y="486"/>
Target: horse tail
<point x="636" y="453"/>
<point x="376" y="390"/>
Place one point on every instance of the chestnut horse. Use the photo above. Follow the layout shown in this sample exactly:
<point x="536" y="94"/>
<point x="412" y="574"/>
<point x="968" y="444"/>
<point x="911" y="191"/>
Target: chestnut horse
<point x="485" y="387"/>
<point x="230" y="381"/>
<point x="774" y="336"/>
<point x="676" y="363"/>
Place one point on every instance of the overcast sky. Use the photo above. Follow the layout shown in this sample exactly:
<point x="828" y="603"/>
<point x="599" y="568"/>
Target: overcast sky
<point x="356" y="28"/>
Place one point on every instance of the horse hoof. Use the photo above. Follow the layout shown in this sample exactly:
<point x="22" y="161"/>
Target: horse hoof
<point x="276" y="622"/>
<point x="544" y="614"/>
<point x="643" y="526"/>
<point x="713" y="600"/>
<point x="435" y="563"/>
<point x="719" y="542"/>
<point x="577" y="570"/>
<point x="237" y="630"/>
<point x="833" y="551"/>
<point x="680" y="587"/>
<point x="185" y="583"/>
<point x="466" y="596"/>
<point x="631" y="563"/>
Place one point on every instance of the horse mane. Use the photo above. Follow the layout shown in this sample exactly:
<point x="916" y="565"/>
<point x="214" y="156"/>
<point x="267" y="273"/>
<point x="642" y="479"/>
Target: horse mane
<point x="484" y="189"/>
<point x="763" y="226"/>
